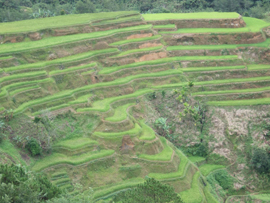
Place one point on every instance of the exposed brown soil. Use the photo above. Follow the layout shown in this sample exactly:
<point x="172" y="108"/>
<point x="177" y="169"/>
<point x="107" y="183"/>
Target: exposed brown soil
<point x="34" y="36"/>
<point x="140" y="36"/>
<point x="152" y="56"/>
<point x="146" y="45"/>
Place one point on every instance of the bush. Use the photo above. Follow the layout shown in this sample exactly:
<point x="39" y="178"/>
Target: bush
<point x="224" y="179"/>
<point x="200" y="149"/>
<point x="260" y="161"/>
<point x="33" y="147"/>
<point x="85" y="7"/>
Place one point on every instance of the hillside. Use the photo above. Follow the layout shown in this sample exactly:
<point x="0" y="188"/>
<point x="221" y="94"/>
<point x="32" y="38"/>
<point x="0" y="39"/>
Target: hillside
<point x="99" y="82"/>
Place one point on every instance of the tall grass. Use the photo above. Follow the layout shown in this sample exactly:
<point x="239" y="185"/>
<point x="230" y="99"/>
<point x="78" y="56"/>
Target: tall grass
<point x="56" y="41"/>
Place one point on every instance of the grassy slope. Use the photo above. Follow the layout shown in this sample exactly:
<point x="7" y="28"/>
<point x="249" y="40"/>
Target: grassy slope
<point x="164" y="26"/>
<point x="193" y="195"/>
<point x="120" y="113"/>
<point x="75" y="143"/>
<point x="57" y="158"/>
<point x="132" y="51"/>
<point x="54" y="41"/>
<point x="200" y="15"/>
<point x="143" y="39"/>
<point x="58" y="21"/>
<point x="109" y="70"/>
<point x="208" y="168"/>
<point x="77" y="68"/>
<point x="165" y="155"/>
<point x="218" y="47"/>
<point x="252" y="25"/>
<point x="148" y="133"/>
<point x="258" y="66"/>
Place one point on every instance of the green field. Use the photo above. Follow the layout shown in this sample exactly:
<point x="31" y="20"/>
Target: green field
<point x="77" y="68"/>
<point x="58" y="21"/>
<point x="196" y="159"/>
<point x="165" y="155"/>
<point x="178" y="174"/>
<point x="133" y="51"/>
<point x="120" y="113"/>
<point x="252" y="25"/>
<point x="147" y="132"/>
<point x="6" y="58"/>
<point x="134" y="131"/>
<point x="244" y="102"/>
<point x="57" y="158"/>
<point x="208" y="168"/>
<point x="266" y="43"/>
<point x="164" y="26"/>
<point x="185" y="16"/>
<point x="76" y="143"/>
<point x="119" y="20"/>
<point x="193" y="195"/>
<point x="128" y="41"/>
<point x="109" y="70"/>
<point x="258" y="67"/>
<point x="56" y="41"/>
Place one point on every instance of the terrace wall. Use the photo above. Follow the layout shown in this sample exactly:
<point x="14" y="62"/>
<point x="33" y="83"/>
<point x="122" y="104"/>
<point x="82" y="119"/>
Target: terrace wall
<point x="213" y="39"/>
<point x="203" y="23"/>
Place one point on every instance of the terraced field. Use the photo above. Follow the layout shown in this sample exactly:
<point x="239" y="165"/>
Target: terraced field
<point x="106" y="73"/>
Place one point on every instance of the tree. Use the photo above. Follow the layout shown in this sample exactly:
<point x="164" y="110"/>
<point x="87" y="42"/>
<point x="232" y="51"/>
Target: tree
<point x="17" y="185"/>
<point x="227" y="5"/>
<point x="260" y="161"/>
<point x="85" y="7"/>
<point x="33" y="147"/>
<point x="151" y="191"/>
<point x="161" y="124"/>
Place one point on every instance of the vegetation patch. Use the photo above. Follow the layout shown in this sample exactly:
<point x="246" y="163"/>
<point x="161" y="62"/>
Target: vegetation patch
<point x="258" y="67"/>
<point x="57" y="158"/>
<point x="196" y="159"/>
<point x="165" y="155"/>
<point x="147" y="132"/>
<point x="164" y="26"/>
<point x="77" y="68"/>
<point x="120" y="113"/>
<point x="182" y="16"/>
<point x="143" y="39"/>
<point x="132" y="51"/>
<point x="76" y="143"/>
<point x="208" y="168"/>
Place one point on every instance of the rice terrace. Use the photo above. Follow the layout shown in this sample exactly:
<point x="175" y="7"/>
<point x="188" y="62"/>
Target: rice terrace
<point x="102" y="102"/>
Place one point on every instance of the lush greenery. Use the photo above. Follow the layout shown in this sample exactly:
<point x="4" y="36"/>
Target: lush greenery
<point x="18" y="185"/>
<point x="152" y="191"/>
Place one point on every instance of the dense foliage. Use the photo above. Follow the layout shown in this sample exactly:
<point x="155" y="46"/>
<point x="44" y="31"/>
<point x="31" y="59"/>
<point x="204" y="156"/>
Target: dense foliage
<point x="260" y="161"/>
<point x="17" y="185"/>
<point x="33" y="147"/>
<point x="152" y="191"/>
<point x="12" y="10"/>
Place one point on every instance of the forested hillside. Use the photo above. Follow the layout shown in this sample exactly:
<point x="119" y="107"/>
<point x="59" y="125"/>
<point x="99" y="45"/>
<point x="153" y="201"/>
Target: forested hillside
<point x="14" y="10"/>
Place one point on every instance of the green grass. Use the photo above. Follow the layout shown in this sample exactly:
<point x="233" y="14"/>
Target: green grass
<point x="165" y="155"/>
<point x="77" y="68"/>
<point x="263" y="197"/>
<point x="246" y="102"/>
<point x="58" y="21"/>
<point x="61" y="181"/>
<point x="239" y="91"/>
<point x="164" y="26"/>
<point x="120" y="113"/>
<point x="104" y="105"/>
<point x="55" y="41"/>
<point x="212" y="68"/>
<point x="88" y="72"/>
<point x="12" y="93"/>
<point x="109" y="70"/>
<point x="196" y="159"/>
<point x="147" y="132"/>
<point x="2" y="108"/>
<point x="128" y="41"/>
<point x="109" y="189"/>
<point x="208" y="168"/>
<point x="64" y="60"/>
<point x="185" y="16"/>
<point x="258" y="67"/>
<point x="217" y="82"/>
<point x="23" y="76"/>
<point x="5" y="89"/>
<point x="119" y="20"/>
<point x="132" y="51"/>
<point x="57" y="158"/>
<point x="266" y="44"/>
<point x="252" y="25"/>
<point x="178" y="174"/>
<point x="134" y="131"/>
<point x="193" y="195"/>
<point x="6" y="58"/>
<point x="76" y="143"/>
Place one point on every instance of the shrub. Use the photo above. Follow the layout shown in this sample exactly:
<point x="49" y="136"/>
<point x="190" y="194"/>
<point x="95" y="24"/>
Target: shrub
<point x="260" y="161"/>
<point x="85" y="7"/>
<point x="33" y="147"/>
<point x="224" y="179"/>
